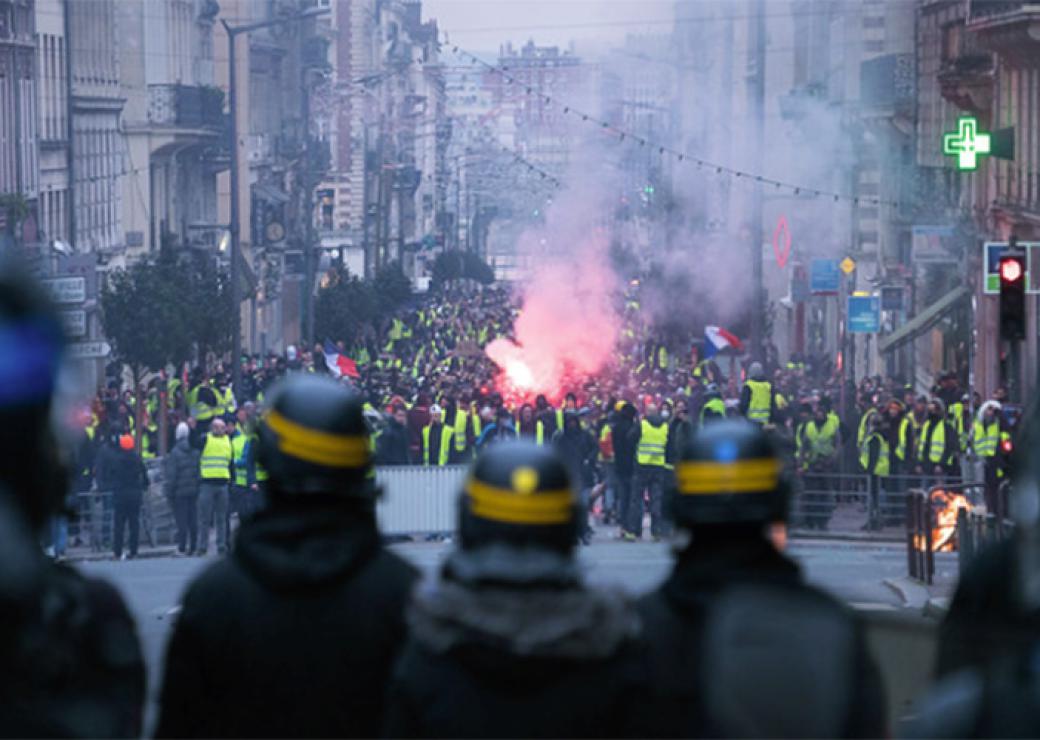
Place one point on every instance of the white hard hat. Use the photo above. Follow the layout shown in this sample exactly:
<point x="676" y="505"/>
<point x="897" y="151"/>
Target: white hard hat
<point x="435" y="409"/>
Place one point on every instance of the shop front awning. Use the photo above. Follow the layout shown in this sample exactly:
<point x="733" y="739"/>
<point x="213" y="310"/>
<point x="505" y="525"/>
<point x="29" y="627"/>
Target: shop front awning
<point x="924" y="320"/>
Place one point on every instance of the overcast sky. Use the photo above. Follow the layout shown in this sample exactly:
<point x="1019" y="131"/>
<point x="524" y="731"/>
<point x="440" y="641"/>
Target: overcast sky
<point x="482" y="25"/>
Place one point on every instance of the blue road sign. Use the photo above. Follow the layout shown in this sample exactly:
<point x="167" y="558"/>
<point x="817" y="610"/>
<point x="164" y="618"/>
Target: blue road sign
<point x="824" y="277"/>
<point x="864" y="314"/>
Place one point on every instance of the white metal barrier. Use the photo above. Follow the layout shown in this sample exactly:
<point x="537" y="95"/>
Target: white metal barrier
<point x="419" y="500"/>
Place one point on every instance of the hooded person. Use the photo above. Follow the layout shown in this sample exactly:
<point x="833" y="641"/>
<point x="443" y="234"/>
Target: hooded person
<point x="294" y="634"/>
<point x="936" y="442"/>
<point x="624" y="436"/>
<point x="737" y="644"/>
<point x="181" y="488"/>
<point x="757" y="397"/>
<point x="508" y="640"/>
<point x="578" y="448"/>
<point x="991" y="443"/>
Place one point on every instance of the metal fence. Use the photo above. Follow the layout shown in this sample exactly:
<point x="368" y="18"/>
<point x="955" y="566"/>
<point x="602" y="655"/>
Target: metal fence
<point x="415" y="500"/>
<point x="853" y="503"/>
<point x="419" y="500"/>
<point x="976" y="530"/>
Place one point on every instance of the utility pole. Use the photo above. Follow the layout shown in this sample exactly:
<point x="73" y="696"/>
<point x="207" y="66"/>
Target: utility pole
<point x="307" y="181"/>
<point x="756" y="106"/>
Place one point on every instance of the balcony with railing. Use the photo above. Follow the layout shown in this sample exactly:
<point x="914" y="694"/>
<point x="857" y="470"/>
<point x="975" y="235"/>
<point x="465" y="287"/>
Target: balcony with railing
<point x="967" y="81"/>
<point x="1012" y="29"/>
<point x="187" y="106"/>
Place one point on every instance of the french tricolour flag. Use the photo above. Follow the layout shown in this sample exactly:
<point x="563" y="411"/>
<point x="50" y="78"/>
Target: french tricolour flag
<point x="717" y="339"/>
<point x="339" y="364"/>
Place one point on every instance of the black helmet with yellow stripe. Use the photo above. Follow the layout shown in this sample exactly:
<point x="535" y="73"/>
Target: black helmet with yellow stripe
<point x="729" y="473"/>
<point x="519" y="493"/>
<point x="313" y="439"/>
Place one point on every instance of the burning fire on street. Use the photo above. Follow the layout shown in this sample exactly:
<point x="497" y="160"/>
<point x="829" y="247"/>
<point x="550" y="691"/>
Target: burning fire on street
<point x="944" y="506"/>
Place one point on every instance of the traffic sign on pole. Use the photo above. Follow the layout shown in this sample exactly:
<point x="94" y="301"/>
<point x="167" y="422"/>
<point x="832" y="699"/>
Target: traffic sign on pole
<point x="824" y="277"/>
<point x="864" y="314"/>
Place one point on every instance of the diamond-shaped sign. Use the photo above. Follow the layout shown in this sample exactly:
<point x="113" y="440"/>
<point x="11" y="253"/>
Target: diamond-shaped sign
<point x="847" y="265"/>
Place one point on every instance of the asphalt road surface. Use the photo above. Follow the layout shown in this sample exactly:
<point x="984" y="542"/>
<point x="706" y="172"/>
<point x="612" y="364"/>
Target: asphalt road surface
<point x="852" y="571"/>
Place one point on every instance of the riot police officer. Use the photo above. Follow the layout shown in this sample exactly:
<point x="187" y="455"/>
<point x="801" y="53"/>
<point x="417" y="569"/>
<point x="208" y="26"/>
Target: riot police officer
<point x="70" y="661"/>
<point x="989" y="643"/>
<point x="295" y="634"/>
<point x="509" y="641"/>
<point x="738" y="644"/>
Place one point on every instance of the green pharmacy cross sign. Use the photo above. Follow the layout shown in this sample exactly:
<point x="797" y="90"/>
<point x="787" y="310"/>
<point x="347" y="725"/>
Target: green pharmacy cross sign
<point x="966" y="144"/>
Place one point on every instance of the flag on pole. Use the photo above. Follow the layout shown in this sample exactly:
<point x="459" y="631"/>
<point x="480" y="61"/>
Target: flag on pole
<point x="717" y="339"/>
<point x="339" y="364"/>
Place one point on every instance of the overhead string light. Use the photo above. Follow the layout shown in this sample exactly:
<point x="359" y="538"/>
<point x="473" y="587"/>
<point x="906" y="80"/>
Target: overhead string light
<point x="793" y="188"/>
<point x="622" y="134"/>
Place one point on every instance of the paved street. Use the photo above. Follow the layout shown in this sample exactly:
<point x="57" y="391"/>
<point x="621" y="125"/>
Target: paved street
<point x="852" y="571"/>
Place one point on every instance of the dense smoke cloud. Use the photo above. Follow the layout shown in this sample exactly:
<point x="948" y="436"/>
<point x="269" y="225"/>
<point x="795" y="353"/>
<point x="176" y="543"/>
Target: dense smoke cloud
<point x="568" y="324"/>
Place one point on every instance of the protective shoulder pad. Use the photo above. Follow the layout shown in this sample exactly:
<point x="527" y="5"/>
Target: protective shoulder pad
<point x="778" y="662"/>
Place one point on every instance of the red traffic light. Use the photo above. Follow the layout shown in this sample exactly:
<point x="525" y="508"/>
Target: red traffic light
<point x="1011" y="270"/>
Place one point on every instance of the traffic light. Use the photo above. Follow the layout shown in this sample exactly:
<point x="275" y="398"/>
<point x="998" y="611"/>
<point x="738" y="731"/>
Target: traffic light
<point x="1013" y="296"/>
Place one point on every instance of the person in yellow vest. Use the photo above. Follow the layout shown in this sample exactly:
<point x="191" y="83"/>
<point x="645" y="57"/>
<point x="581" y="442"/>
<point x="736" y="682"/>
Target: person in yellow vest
<point x="652" y="478"/>
<point x="936" y="444"/>
<point x="438" y="439"/>
<point x="714" y="408"/>
<point x="150" y="439"/>
<point x="989" y="440"/>
<point x="460" y="418"/>
<point x="757" y="400"/>
<point x="962" y="422"/>
<point x="215" y="468"/>
<point x="244" y="479"/>
<point x="874" y="457"/>
<point x="820" y="442"/>
<point x="899" y="434"/>
<point x="225" y="397"/>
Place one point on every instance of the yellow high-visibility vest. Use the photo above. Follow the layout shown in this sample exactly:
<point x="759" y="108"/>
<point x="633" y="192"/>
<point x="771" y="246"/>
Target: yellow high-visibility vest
<point x="902" y="446"/>
<point x="761" y="401"/>
<point x="461" y="421"/>
<point x="238" y="447"/>
<point x="861" y="433"/>
<point x="937" y="445"/>
<point x="987" y="438"/>
<point x="217" y="455"/>
<point x="823" y="441"/>
<point x="652" y="443"/>
<point x="444" y="451"/>
<point x="881" y="465"/>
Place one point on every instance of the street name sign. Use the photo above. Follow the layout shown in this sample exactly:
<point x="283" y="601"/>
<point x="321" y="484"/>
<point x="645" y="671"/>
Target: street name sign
<point x="89" y="350"/>
<point x="67" y="290"/>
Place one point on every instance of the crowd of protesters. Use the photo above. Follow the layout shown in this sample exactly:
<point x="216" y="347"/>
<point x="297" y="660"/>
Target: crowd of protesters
<point x="432" y="399"/>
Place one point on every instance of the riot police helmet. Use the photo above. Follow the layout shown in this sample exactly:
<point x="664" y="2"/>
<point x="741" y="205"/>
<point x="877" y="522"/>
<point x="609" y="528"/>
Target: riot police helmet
<point x="519" y="493"/>
<point x="728" y="474"/>
<point x="313" y="439"/>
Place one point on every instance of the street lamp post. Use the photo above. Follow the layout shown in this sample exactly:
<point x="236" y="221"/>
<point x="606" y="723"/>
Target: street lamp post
<point x="233" y="32"/>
